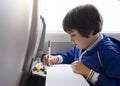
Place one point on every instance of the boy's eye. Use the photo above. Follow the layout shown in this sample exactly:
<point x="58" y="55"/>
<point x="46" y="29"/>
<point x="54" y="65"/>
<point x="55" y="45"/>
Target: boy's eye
<point x="72" y="35"/>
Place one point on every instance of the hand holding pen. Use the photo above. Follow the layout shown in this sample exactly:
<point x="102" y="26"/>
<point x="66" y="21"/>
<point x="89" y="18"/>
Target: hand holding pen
<point x="52" y="60"/>
<point x="49" y="59"/>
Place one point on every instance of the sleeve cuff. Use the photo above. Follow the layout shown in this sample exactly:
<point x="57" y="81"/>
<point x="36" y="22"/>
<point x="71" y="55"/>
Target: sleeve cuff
<point x="60" y="59"/>
<point x="92" y="77"/>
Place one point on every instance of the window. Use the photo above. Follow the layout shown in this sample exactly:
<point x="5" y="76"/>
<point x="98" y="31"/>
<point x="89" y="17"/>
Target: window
<point x="55" y="10"/>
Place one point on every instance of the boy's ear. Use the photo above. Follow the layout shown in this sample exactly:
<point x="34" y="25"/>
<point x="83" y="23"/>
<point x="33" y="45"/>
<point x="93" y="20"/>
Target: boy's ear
<point x="91" y="34"/>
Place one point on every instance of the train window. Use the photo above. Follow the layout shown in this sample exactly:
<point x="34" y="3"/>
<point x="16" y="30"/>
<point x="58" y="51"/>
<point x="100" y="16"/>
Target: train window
<point x="55" y="10"/>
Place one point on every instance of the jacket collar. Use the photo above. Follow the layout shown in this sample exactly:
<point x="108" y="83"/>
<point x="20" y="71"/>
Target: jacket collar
<point x="92" y="46"/>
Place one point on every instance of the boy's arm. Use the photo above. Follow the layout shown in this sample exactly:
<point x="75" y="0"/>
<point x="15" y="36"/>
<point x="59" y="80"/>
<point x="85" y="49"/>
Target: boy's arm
<point x="111" y="70"/>
<point x="100" y="80"/>
<point x="69" y="56"/>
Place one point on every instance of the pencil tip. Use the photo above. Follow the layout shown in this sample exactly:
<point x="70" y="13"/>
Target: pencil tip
<point x="49" y="43"/>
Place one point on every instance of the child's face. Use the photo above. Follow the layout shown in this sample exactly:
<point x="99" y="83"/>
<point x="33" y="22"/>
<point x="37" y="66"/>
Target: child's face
<point x="80" y="41"/>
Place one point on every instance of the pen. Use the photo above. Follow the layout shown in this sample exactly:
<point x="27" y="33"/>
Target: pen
<point x="49" y="51"/>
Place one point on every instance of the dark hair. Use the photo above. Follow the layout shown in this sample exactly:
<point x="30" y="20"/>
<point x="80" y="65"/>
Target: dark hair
<point x="84" y="19"/>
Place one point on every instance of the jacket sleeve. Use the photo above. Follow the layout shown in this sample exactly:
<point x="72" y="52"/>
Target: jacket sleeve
<point x="111" y="69"/>
<point x="105" y="81"/>
<point x="70" y="55"/>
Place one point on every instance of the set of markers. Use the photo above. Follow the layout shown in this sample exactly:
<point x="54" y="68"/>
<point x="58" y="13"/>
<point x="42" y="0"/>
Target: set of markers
<point x="40" y="68"/>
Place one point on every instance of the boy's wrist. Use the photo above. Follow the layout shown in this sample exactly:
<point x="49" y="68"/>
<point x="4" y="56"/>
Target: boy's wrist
<point x="60" y="59"/>
<point x="87" y="73"/>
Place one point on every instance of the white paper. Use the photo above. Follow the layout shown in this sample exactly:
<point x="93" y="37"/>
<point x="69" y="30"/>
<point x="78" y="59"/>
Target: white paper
<point x="62" y="75"/>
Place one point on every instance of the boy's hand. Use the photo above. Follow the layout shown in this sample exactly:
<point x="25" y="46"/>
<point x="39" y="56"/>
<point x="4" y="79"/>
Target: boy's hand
<point x="52" y="60"/>
<point x="80" y="68"/>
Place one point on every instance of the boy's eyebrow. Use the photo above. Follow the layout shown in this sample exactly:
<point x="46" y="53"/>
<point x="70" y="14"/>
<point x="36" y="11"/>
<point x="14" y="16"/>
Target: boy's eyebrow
<point x="72" y="33"/>
<point x="69" y="32"/>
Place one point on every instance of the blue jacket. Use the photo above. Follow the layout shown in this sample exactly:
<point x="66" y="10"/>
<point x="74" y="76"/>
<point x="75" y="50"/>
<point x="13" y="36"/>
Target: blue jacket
<point x="103" y="58"/>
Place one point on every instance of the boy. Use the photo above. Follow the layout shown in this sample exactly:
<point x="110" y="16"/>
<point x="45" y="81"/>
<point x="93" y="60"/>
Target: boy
<point x="95" y="55"/>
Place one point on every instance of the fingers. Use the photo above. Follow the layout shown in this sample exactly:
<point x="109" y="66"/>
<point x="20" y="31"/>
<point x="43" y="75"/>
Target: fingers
<point x="74" y="64"/>
<point x="46" y="59"/>
<point x="80" y="68"/>
<point x="53" y="60"/>
<point x="50" y="60"/>
<point x="74" y="68"/>
<point x="77" y="67"/>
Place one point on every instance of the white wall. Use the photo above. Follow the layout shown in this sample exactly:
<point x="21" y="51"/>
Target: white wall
<point x="14" y="31"/>
<point x="55" y="10"/>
